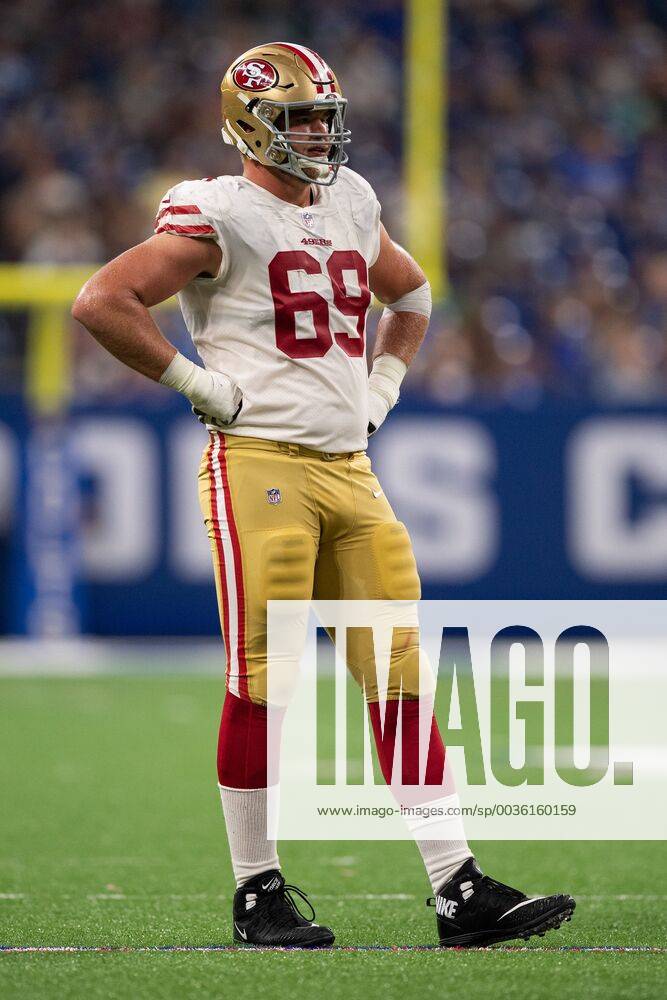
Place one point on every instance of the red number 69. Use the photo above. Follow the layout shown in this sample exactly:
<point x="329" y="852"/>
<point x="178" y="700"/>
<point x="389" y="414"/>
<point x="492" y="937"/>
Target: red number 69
<point x="288" y="303"/>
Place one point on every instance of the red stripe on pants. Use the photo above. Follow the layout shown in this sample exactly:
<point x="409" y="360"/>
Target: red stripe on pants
<point x="238" y="571"/>
<point x="220" y="551"/>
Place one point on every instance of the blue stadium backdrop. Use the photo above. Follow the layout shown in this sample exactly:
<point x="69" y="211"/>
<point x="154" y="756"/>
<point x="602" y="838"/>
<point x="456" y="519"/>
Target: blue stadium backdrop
<point x="560" y="501"/>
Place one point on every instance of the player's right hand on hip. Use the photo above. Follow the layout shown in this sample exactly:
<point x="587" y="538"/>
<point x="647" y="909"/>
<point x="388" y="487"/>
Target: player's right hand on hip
<point x="215" y="397"/>
<point x="206" y="418"/>
<point x="220" y="403"/>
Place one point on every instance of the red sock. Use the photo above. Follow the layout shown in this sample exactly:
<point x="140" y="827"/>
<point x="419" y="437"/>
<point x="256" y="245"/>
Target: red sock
<point x="242" y="748"/>
<point x="385" y="741"/>
<point x="242" y="744"/>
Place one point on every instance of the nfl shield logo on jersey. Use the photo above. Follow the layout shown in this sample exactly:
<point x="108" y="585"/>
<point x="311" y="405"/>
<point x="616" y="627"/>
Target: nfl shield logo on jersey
<point x="273" y="496"/>
<point x="308" y="219"/>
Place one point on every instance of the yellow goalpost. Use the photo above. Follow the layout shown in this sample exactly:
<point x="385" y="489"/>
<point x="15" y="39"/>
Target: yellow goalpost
<point x="46" y="292"/>
<point x="425" y="136"/>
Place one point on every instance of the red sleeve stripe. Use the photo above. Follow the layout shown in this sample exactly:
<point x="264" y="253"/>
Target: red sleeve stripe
<point x="178" y="210"/>
<point x="171" y="227"/>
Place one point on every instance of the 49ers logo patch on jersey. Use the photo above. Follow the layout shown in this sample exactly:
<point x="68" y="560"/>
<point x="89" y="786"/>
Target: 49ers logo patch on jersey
<point x="255" y="74"/>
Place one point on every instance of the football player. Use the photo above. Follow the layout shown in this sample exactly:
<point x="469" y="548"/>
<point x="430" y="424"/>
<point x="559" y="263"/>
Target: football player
<point x="274" y="271"/>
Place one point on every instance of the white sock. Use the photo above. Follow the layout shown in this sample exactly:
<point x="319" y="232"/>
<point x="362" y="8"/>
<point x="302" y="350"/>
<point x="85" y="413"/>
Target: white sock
<point x="438" y="831"/>
<point x="442" y="859"/>
<point x="245" y="819"/>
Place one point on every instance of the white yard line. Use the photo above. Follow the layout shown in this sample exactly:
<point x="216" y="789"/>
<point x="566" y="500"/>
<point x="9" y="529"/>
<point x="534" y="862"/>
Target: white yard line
<point x="624" y="897"/>
<point x="24" y="658"/>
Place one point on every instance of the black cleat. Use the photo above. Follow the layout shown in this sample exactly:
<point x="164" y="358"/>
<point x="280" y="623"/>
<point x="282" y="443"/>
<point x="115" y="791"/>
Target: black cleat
<point x="265" y="914"/>
<point x="474" y="910"/>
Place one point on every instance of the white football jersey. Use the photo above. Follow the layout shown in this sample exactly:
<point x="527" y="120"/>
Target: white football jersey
<point x="285" y="317"/>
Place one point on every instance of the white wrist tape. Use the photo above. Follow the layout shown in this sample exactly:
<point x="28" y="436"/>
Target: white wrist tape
<point x="213" y="393"/>
<point x="384" y="383"/>
<point x="417" y="301"/>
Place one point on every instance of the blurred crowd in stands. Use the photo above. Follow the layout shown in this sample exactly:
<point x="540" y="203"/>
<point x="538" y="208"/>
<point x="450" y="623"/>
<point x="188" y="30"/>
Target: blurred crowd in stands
<point x="557" y="176"/>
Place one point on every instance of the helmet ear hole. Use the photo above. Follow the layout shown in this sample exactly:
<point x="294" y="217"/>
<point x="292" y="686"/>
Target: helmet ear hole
<point x="244" y="126"/>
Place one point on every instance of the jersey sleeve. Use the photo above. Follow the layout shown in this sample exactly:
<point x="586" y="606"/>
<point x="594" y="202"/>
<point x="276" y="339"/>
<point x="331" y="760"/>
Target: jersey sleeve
<point x="365" y="212"/>
<point x="190" y="209"/>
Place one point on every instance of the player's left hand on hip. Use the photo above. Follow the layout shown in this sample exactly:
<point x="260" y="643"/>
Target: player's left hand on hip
<point x="378" y="408"/>
<point x="383" y="387"/>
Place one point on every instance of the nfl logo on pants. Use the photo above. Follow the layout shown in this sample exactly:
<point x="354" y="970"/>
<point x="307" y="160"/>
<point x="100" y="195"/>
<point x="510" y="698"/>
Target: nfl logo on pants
<point x="273" y="496"/>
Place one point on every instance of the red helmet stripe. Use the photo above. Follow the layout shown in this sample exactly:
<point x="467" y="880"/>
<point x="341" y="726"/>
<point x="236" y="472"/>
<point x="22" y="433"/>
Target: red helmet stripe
<point x="325" y="74"/>
<point x="322" y="68"/>
<point x="317" y="66"/>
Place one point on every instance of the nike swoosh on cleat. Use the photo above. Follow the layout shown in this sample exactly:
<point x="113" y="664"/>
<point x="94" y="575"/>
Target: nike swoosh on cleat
<point x="518" y="906"/>
<point x="244" y="934"/>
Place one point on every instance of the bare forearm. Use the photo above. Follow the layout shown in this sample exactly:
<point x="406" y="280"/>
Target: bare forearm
<point x="398" y="280"/>
<point x="122" y="324"/>
<point x="400" y="334"/>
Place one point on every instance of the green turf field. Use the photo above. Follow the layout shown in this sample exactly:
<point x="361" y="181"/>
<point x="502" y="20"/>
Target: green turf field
<point x="111" y="835"/>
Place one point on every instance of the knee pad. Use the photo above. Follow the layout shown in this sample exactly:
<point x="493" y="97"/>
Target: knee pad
<point x="286" y="566"/>
<point x="410" y="674"/>
<point x="397" y="569"/>
<point x="287" y="562"/>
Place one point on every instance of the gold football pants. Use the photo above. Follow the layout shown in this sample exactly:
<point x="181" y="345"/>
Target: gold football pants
<point x="289" y="523"/>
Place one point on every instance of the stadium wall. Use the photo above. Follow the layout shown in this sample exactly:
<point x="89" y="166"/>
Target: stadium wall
<point x="558" y="502"/>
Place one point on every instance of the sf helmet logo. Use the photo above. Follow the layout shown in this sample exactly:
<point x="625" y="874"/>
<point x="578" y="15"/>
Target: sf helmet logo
<point x="255" y="74"/>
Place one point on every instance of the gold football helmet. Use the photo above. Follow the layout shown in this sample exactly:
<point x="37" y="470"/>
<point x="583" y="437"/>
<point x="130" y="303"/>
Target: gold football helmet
<point x="267" y="84"/>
